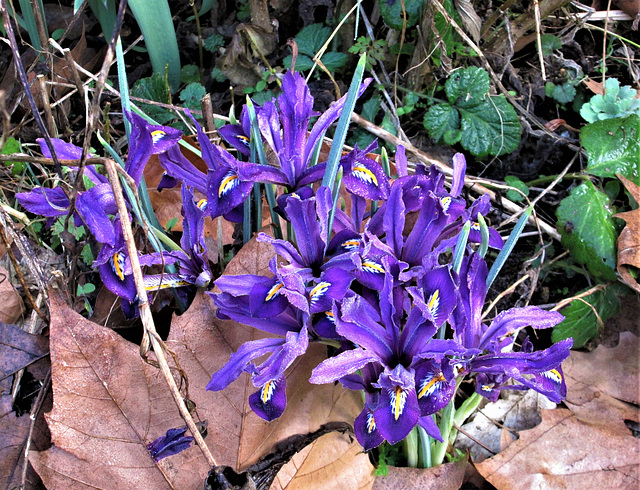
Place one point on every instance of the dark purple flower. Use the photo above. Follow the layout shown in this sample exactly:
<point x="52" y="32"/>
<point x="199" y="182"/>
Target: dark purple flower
<point x="173" y="442"/>
<point x="491" y="347"/>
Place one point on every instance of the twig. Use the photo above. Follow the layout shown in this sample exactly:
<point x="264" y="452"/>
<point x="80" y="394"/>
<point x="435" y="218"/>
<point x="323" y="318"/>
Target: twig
<point x="588" y="292"/>
<point x="470" y="182"/>
<point x="466" y="434"/>
<point x="33" y="416"/>
<point x="145" y="312"/>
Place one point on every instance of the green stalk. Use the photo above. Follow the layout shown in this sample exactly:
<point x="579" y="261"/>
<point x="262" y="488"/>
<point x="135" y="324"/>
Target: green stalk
<point x="461" y="244"/>
<point x="261" y="157"/>
<point x="425" y="447"/>
<point x="410" y="448"/>
<point x="384" y="160"/>
<point x="508" y="247"/>
<point x="246" y="220"/>
<point x="30" y="24"/>
<point x="484" y="233"/>
<point x="468" y="407"/>
<point x="123" y="85"/>
<point x="446" y="422"/>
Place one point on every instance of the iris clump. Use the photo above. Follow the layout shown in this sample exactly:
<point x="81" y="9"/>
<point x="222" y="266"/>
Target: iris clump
<point x="388" y="270"/>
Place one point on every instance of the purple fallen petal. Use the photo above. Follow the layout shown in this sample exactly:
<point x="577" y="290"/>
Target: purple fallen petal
<point x="170" y="444"/>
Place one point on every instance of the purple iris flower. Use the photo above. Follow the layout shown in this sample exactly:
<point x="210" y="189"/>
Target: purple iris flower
<point x="170" y="444"/>
<point x="491" y="348"/>
<point x="405" y="373"/>
<point x="223" y="183"/>
<point x="284" y="127"/>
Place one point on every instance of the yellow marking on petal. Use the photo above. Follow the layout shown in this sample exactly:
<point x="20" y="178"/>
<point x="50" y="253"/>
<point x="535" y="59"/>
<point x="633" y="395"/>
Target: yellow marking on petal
<point x="351" y="244"/>
<point x="228" y="183"/>
<point x="266" y="392"/>
<point x="446" y="202"/>
<point x="475" y="226"/>
<point x="152" y="283"/>
<point x="398" y="401"/>
<point x="371" y="423"/>
<point x="428" y="387"/>
<point x="487" y="387"/>
<point x="434" y="303"/>
<point x="157" y="135"/>
<point x="117" y="264"/>
<point x="274" y="291"/>
<point x="244" y="139"/>
<point x="317" y="292"/>
<point x="554" y="375"/>
<point x="293" y="194"/>
<point x="202" y="204"/>
<point x="364" y="174"/>
<point x="374" y="267"/>
<point x="330" y="316"/>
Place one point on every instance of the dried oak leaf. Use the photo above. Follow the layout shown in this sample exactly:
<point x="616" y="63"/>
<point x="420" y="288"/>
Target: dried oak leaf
<point x="108" y="403"/>
<point x="612" y="393"/>
<point x="629" y="239"/>
<point x="335" y="460"/>
<point x="12" y="306"/>
<point x="566" y="452"/>
<point x="448" y="476"/>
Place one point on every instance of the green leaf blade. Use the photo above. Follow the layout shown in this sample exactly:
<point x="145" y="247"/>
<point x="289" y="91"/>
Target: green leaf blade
<point x="588" y="232"/>
<point x="440" y="119"/>
<point x="613" y="147"/>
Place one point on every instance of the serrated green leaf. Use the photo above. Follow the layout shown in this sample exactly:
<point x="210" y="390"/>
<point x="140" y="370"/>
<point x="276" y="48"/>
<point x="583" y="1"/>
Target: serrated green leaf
<point x="371" y="107"/>
<point x="12" y="145"/>
<point x="588" y="232"/>
<point x="467" y="87"/>
<point x="490" y="128"/>
<point x="192" y="94"/>
<point x="550" y="43"/>
<point x="333" y="60"/>
<point x="580" y="321"/>
<point x="303" y="63"/>
<point x="514" y="181"/>
<point x="311" y="38"/>
<point x="613" y="147"/>
<point x="440" y="119"/>
<point x="190" y="74"/>
<point x="154" y="88"/>
<point x="564" y="93"/>
<point x="391" y="11"/>
<point x="213" y="42"/>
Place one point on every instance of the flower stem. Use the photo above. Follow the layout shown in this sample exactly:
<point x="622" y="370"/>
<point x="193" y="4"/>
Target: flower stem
<point x="425" y="448"/>
<point x="410" y="447"/>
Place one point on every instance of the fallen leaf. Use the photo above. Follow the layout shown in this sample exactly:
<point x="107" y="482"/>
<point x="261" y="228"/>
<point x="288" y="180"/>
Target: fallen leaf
<point x="18" y="349"/>
<point x="448" y="476"/>
<point x="335" y="460"/>
<point x="629" y="239"/>
<point x="603" y="384"/>
<point x="565" y="452"/>
<point x="596" y="87"/>
<point x="12" y="306"/>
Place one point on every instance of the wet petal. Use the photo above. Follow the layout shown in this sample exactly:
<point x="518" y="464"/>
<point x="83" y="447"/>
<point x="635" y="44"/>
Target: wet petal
<point x="398" y="410"/>
<point x="270" y="401"/>
<point x="366" y="429"/>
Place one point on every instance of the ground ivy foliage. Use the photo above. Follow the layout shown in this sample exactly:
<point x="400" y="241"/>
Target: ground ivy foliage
<point x="483" y="124"/>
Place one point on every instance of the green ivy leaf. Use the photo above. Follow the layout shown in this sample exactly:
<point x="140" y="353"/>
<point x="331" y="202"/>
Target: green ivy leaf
<point x="440" y="119"/>
<point x="391" y="11"/>
<point x="190" y="74"/>
<point x="332" y="60"/>
<point x="580" y="321"/>
<point x="213" y="42"/>
<point x="12" y="145"/>
<point x="588" y="232"/>
<point x="192" y="94"/>
<point x="564" y="93"/>
<point x="467" y="87"/>
<point x="490" y="128"/>
<point x="613" y="147"/>
<point x="514" y="181"/>
<point x="311" y="38"/>
<point x="550" y="43"/>
<point x="154" y="88"/>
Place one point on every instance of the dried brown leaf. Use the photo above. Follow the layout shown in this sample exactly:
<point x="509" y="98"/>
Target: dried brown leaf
<point x="565" y="452"/>
<point x="12" y="306"/>
<point x="629" y="239"/>
<point x="612" y="394"/>
<point x="447" y="476"/>
<point x="596" y="87"/>
<point x="335" y="460"/>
